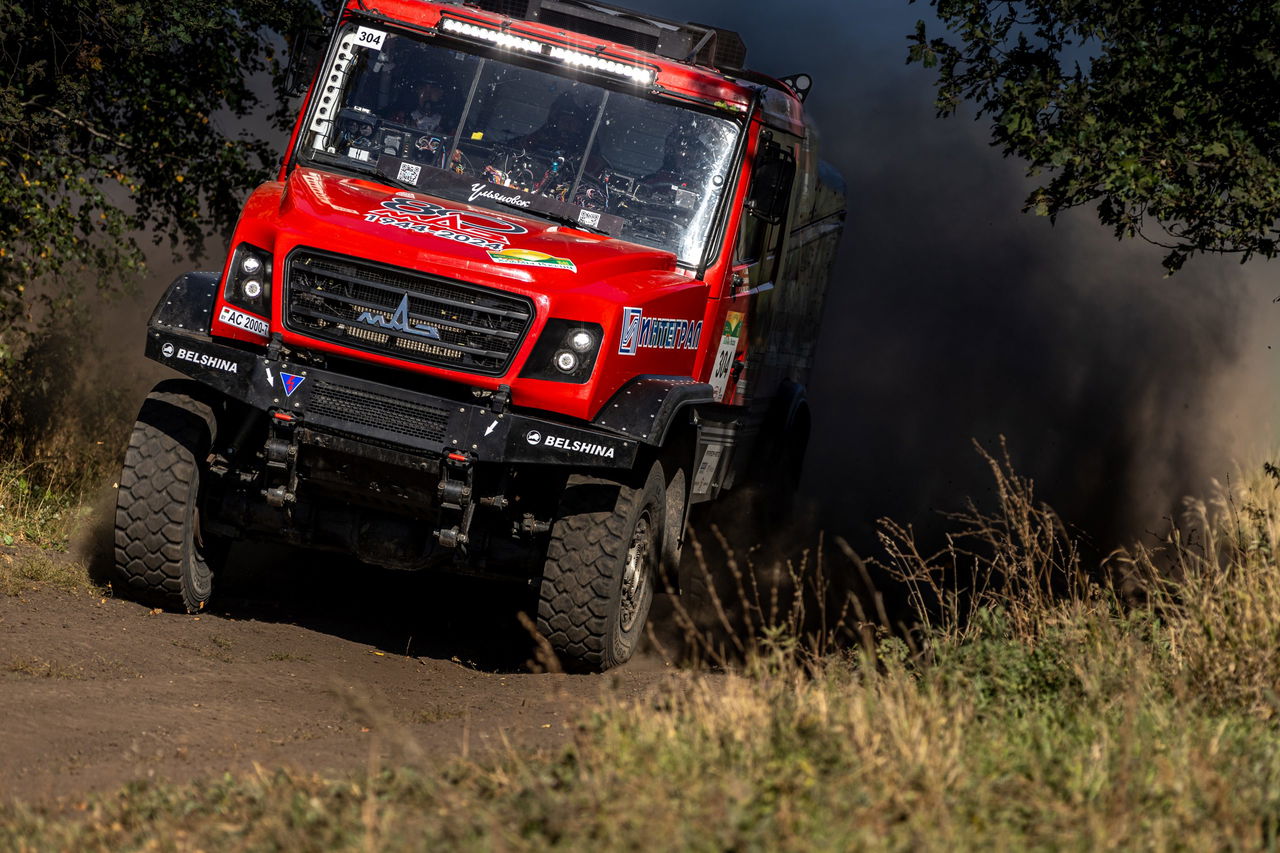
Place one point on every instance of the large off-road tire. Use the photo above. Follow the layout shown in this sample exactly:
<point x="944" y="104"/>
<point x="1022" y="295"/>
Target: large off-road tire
<point x="161" y="555"/>
<point x="601" y="567"/>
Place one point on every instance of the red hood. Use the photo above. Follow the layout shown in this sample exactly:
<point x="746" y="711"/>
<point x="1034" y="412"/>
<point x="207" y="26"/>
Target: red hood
<point x="425" y="232"/>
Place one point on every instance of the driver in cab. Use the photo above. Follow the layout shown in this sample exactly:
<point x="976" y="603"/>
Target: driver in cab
<point x="682" y="177"/>
<point x="565" y="131"/>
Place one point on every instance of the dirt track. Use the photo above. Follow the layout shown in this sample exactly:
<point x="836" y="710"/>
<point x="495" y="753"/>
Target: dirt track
<point x="310" y="664"/>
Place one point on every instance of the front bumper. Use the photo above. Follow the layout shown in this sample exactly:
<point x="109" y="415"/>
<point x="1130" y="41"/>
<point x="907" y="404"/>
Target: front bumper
<point x="411" y="421"/>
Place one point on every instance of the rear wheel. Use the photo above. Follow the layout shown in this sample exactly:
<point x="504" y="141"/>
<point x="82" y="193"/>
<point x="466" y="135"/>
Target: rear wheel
<point x="160" y="552"/>
<point x="601" y="566"/>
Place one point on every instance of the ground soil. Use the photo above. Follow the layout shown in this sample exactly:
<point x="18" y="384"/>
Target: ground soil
<point x="303" y="662"/>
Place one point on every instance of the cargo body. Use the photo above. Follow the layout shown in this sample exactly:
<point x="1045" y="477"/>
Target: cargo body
<point x="535" y="279"/>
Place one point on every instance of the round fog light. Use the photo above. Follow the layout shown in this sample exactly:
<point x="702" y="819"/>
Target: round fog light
<point x="253" y="288"/>
<point x="581" y="340"/>
<point x="566" y="362"/>
<point x="250" y="265"/>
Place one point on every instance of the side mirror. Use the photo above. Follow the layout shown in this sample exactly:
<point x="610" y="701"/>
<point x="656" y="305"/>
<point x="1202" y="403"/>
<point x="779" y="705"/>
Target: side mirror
<point x="306" y="49"/>
<point x="775" y="172"/>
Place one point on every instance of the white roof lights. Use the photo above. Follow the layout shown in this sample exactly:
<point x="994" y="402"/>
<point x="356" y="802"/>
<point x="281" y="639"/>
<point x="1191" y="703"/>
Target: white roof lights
<point x="638" y="74"/>
<point x="497" y="37"/>
<point x="600" y="63"/>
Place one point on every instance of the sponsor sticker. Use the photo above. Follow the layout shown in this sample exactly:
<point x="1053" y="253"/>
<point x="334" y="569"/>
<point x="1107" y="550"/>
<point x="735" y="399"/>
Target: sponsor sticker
<point x="707" y="469"/>
<point x="530" y="258"/>
<point x="240" y="320"/>
<point x="290" y="381"/>
<point x="726" y="353"/>
<point x="587" y="448"/>
<point x="641" y="332"/>
<point x="490" y="192"/>
<point x="369" y="37"/>
<point x="201" y="359"/>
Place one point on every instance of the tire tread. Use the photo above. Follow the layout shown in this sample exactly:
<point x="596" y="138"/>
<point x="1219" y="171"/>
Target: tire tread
<point x="171" y="435"/>
<point x="580" y="574"/>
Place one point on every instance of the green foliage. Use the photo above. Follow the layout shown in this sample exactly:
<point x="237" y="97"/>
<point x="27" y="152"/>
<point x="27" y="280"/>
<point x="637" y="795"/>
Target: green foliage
<point x="1161" y="113"/>
<point x="41" y="502"/>
<point x="113" y="121"/>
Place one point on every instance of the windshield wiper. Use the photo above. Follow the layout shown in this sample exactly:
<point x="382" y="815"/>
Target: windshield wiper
<point x="561" y="218"/>
<point x="363" y="169"/>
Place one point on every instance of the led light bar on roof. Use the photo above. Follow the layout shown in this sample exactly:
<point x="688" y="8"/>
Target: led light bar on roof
<point x="604" y="65"/>
<point x="497" y="37"/>
<point x="600" y="63"/>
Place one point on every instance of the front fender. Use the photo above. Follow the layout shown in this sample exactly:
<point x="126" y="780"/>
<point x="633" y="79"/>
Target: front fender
<point x="647" y="406"/>
<point x="188" y="303"/>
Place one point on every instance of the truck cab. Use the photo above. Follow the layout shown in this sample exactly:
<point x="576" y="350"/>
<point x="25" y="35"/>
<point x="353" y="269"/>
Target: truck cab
<point x="535" y="278"/>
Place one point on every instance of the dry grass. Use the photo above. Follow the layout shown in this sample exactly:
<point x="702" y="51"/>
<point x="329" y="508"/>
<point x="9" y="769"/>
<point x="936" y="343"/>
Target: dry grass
<point x="1033" y="707"/>
<point x="23" y="568"/>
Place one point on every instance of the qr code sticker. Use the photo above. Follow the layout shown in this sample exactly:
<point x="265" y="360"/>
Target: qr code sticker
<point x="409" y="173"/>
<point x="589" y="218"/>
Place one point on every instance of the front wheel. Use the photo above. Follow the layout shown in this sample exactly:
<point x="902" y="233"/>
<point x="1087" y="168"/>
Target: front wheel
<point x="597" y="582"/>
<point x="160" y="552"/>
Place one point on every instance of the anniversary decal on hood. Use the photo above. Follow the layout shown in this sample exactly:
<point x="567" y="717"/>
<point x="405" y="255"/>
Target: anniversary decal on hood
<point x="469" y="227"/>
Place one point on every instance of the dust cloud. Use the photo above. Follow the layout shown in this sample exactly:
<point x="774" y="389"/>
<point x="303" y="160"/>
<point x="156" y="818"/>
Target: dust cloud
<point x="953" y="317"/>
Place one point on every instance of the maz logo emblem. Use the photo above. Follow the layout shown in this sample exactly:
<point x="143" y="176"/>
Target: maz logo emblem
<point x="399" y="322"/>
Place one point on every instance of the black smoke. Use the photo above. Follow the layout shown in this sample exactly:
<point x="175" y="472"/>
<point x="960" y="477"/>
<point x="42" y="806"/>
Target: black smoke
<point x="953" y="317"/>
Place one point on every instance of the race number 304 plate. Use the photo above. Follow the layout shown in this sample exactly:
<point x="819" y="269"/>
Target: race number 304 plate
<point x="369" y="37"/>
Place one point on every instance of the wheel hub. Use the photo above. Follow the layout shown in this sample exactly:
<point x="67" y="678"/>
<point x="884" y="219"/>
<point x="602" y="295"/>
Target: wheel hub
<point x="635" y="576"/>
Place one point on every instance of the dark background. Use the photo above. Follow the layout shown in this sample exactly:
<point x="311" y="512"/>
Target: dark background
<point x="953" y="317"/>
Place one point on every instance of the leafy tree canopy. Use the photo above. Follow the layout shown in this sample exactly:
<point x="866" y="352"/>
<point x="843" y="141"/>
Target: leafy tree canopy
<point x="1162" y="112"/>
<point x="117" y="117"/>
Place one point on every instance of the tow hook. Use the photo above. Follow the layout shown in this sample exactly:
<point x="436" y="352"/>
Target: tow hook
<point x="454" y="491"/>
<point x="281" y="453"/>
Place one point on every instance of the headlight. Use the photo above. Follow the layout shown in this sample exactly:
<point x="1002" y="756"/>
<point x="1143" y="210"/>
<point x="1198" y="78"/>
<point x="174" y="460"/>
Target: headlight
<point x="566" y="362"/>
<point x="566" y="351"/>
<point x="582" y="341"/>
<point x="249" y="281"/>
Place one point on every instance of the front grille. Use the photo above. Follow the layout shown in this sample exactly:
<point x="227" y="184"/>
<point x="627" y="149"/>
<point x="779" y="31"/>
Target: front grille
<point x="404" y="314"/>
<point x="358" y="407"/>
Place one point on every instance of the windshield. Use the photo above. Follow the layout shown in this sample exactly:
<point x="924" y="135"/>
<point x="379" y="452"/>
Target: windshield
<point x="644" y="170"/>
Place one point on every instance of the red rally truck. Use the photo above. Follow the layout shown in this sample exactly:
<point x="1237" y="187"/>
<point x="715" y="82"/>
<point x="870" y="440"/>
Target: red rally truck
<point x="535" y="278"/>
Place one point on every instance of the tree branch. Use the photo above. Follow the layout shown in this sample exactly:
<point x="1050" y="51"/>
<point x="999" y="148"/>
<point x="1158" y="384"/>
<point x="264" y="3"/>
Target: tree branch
<point x="88" y="127"/>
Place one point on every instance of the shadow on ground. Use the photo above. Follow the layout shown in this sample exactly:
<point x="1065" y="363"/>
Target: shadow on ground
<point x="423" y="614"/>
